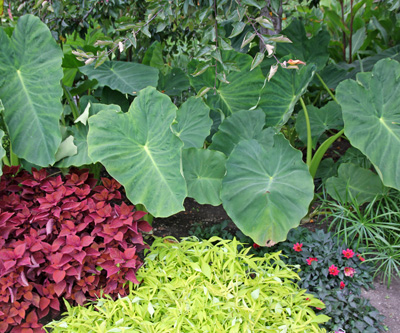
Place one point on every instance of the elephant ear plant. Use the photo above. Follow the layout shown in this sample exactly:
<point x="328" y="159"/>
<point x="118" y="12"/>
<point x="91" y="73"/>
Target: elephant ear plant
<point x="30" y="74"/>
<point x="158" y="152"/>
<point x="250" y="167"/>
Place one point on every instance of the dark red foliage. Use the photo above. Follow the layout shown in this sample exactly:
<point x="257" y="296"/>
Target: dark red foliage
<point x="62" y="238"/>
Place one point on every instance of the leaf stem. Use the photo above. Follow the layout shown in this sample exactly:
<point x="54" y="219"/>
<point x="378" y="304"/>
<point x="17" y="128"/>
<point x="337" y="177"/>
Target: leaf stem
<point x="216" y="45"/>
<point x="309" y="138"/>
<point x="326" y="88"/>
<point x="71" y="102"/>
<point x="14" y="160"/>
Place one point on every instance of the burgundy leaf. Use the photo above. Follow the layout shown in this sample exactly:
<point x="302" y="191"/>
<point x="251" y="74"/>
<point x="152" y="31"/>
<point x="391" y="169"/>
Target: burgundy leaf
<point x="44" y="303"/>
<point x="58" y="276"/>
<point x="131" y="276"/>
<point x="59" y="288"/>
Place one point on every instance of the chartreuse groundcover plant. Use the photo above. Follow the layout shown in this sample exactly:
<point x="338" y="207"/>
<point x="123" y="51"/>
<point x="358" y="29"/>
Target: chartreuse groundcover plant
<point x="330" y="270"/>
<point x="203" y="286"/>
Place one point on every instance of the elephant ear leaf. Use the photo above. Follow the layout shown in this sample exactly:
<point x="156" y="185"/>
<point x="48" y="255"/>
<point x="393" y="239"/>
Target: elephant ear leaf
<point x="193" y="123"/>
<point x="126" y="77"/>
<point x="243" y="86"/>
<point x="203" y="170"/>
<point x="30" y="74"/>
<point x="242" y="125"/>
<point x="282" y="92"/>
<point x="141" y="152"/>
<point x="371" y="115"/>
<point x="267" y="189"/>
<point x="354" y="182"/>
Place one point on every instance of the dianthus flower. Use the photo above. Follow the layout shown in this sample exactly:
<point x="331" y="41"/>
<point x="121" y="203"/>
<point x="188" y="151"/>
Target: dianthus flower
<point x="310" y="260"/>
<point x="333" y="270"/>
<point x="349" y="271"/>
<point x="342" y="285"/>
<point x="359" y="257"/>
<point x="348" y="253"/>
<point x="297" y="247"/>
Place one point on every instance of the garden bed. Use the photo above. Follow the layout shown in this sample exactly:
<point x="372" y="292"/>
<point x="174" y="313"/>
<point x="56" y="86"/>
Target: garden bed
<point x="387" y="301"/>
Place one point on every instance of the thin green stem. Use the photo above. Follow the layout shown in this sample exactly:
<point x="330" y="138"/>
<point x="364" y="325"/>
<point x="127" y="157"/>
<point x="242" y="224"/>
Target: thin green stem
<point x="14" y="160"/>
<point x="309" y="138"/>
<point x="321" y="151"/>
<point x="71" y="103"/>
<point x="327" y="88"/>
<point x="6" y="161"/>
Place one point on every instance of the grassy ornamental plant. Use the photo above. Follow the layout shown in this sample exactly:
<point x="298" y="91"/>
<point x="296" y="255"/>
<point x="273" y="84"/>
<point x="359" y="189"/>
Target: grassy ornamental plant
<point x="203" y="286"/>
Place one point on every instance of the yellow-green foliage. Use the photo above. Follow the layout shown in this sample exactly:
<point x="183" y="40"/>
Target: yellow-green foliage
<point x="196" y="286"/>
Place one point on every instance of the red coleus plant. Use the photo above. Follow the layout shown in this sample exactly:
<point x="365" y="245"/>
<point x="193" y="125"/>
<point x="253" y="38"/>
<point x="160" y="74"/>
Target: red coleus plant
<point x="62" y="238"/>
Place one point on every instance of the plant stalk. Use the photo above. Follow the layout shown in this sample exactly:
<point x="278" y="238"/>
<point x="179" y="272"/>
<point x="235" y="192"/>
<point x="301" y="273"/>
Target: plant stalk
<point x="309" y="138"/>
<point x="71" y="103"/>
<point x="216" y="45"/>
<point x="326" y="88"/>
<point x="14" y="160"/>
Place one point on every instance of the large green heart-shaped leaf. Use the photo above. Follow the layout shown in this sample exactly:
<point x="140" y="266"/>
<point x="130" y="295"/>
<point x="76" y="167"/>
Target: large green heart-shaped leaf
<point x="30" y="74"/>
<point x="333" y="74"/>
<point x="362" y="184"/>
<point x="174" y="82"/>
<point x="266" y="191"/>
<point x="242" y="125"/>
<point x="313" y="50"/>
<point x="281" y="93"/>
<point x="244" y="86"/>
<point x="193" y="123"/>
<point x="203" y="171"/>
<point x="139" y="150"/>
<point x="80" y="131"/>
<point x="321" y="120"/>
<point x="126" y="77"/>
<point x="371" y="114"/>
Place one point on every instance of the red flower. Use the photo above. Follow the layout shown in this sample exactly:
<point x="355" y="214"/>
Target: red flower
<point x="297" y="247"/>
<point x="310" y="260"/>
<point x="359" y="257"/>
<point x="256" y="246"/>
<point x="349" y="271"/>
<point x="342" y="285"/>
<point x="333" y="270"/>
<point x="348" y="253"/>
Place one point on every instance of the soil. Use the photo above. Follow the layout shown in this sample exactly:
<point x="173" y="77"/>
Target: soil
<point x="387" y="301"/>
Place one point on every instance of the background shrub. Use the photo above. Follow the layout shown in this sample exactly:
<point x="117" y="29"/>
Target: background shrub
<point x="62" y="238"/>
